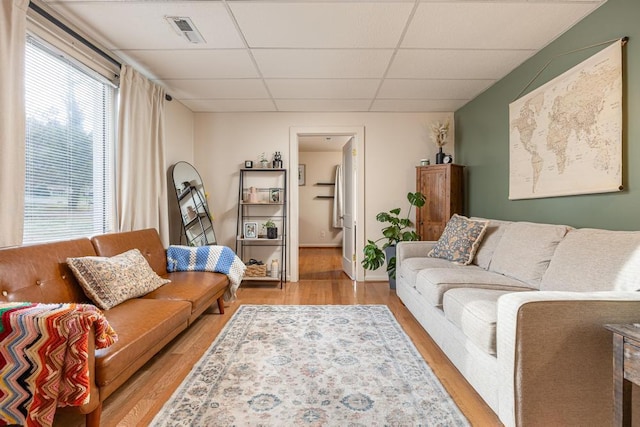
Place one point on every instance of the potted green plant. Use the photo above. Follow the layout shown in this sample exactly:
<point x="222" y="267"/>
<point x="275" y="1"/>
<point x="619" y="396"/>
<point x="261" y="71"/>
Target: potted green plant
<point x="396" y="230"/>
<point x="272" y="230"/>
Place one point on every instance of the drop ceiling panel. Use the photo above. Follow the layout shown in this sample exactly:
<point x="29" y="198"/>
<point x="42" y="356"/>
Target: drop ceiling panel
<point x="323" y="88"/>
<point x="229" y="105"/>
<point x="128" y="25"/>
<point x="322" y="104"/>
<point x="321" y="25"/>
<point x="322" y="63"/>
<point x="456" y="64"/>
<point x="432" y="89"/>
<point x="195" y="63"/>
<point x="497" y="25"/>
<point x="417" y="105"/>
<point x="217" y="88"/>
<point x="326" y="55"/>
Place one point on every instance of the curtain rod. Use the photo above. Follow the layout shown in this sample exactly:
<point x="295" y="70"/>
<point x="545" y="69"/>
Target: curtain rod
<point x="64" y="27"/>
<point x="624" y="39"/>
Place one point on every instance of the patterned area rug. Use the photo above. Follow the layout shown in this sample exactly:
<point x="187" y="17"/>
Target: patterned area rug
<point x="335" y="365"/>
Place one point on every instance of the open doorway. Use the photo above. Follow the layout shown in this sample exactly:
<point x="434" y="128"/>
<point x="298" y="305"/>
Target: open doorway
<point x="322" y="208"/>
<point x="331" y="140"/>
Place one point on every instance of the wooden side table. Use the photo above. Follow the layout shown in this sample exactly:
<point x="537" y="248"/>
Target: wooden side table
<point x="626" y="369"/>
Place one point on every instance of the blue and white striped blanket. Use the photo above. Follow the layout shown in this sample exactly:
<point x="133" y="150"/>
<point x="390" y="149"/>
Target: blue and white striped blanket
<point x="218" y="259"/>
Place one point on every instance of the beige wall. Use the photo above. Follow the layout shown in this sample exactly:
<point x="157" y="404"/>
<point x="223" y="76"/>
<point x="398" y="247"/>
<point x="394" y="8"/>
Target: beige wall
<point x="394" y="144"/>
<point x="178" y="147"/>
<point x="316" y="215"/>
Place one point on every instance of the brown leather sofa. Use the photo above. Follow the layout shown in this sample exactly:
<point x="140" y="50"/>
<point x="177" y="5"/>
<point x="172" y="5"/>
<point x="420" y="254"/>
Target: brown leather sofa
<point x="39" y="273"/>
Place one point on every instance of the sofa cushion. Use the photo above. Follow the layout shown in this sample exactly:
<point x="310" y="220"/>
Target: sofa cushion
<point x="459" y="240"/>
<point x="200" y="288"/>
<point x="410" y="267"/>
<point x="143" y="326"/>
<point x="432" y="283"/>
<point x="595" y="260"/>
<point x="108" y="281"/>
<point x="487" y="246"/>
<point x="525" y="250"/>
<point x="474" y="312"/>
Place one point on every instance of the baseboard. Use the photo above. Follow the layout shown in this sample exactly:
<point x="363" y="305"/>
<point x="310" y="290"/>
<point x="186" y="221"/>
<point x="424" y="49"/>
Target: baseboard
<point x="319" y="245"/>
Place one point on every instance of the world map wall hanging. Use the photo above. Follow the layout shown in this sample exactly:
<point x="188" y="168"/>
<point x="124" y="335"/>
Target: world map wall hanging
<point x="565" y="137"/>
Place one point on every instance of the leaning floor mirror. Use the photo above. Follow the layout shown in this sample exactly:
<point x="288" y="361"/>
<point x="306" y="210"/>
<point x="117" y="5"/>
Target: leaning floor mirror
<point x="195" y="216"/>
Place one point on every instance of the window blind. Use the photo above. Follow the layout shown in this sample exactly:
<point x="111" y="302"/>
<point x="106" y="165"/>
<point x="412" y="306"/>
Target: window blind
<point x="70" y="122"/>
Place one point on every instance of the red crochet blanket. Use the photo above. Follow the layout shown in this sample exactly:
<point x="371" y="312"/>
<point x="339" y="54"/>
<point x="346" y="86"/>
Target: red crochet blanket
<point x="44" y="358"/>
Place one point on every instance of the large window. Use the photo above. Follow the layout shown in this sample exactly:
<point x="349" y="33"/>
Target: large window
<point x="69" y="146"/>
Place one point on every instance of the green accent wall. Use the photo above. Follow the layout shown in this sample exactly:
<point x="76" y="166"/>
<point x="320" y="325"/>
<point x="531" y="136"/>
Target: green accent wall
<point x="482" y="131"/>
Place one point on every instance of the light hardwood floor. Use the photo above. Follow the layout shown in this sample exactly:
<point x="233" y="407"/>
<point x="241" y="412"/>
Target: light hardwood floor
<point x="321" y="282"/>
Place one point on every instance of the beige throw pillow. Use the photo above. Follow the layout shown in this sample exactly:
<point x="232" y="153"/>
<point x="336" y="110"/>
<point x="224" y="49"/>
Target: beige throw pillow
<point x="460" y="240"/>
<point x="108" y="281"/>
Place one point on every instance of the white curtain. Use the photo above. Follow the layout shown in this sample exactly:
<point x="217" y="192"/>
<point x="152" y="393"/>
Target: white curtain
<point x="140" y="160"/>
<point x="13" y="23"/>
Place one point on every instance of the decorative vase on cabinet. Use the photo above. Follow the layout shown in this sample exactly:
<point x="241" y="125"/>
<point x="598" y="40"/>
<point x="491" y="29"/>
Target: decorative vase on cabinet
<point x="442" y="186"/>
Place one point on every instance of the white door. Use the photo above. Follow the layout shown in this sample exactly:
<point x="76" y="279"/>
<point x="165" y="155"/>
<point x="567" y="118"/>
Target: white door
<point x="349" y="214"/>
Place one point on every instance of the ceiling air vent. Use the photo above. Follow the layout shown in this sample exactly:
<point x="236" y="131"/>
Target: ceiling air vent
<point x="184" y="27"/>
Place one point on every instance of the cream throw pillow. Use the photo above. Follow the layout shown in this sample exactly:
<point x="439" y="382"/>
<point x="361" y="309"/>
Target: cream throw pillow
<point x="108" y="281"/>
<point x="460" y="240"/>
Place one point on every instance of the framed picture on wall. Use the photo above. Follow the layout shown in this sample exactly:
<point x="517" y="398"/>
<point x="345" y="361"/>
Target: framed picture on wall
<point x="250" y="230"/>
<point x="301" y="174"/>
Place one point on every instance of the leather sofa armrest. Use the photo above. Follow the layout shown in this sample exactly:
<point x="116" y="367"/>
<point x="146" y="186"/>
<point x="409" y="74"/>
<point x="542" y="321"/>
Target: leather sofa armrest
<point x="417" y="249"/>
<point x="555" y="356"/>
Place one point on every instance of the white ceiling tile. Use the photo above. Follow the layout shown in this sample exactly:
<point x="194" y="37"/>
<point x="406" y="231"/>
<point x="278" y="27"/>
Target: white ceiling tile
<point x="322" y="63"/>
<point x="326" y="55"/>
<point x="216" y="88"/>
<point x="432" y="89"/>
<point x="321" y="25"/>
<point x="322" y="104"/>
<point x="228" y="105"/>
<point x="127" y="25"/>
<point x="486" y="25"/>
<point x="417" y="105"/>
<point x="194" y="64"/>
<point x="323" y="88"/>
<point x="456" y="64"/>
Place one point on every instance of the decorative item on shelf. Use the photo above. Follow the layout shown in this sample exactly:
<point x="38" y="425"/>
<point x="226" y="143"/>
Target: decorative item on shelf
<point x="255" y="268"/>
<point x="439" y="133"/>
<point x="264" y="163"/>
<point x="424" y="162"/>
<point x="447" y="158"/>
<point x="274" y="195"/>
<point x="250" y="230"/>
<point x="396" y="231"/>
<point x="248" y="164"/>
<point x="277" y="160"/>
<point x="252" y="196"/>
<point x="275" y="268"/>
<point x="191" y="213"/>
<point x="272" y="230"/>
<point x="186" y="185"/>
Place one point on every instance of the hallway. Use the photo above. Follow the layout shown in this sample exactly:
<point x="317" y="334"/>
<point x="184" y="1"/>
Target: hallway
<point x="321" y="264"/>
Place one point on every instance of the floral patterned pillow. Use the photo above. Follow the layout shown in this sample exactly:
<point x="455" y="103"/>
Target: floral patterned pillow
<point x="460" y="240"/>
<point x="108" y="281"/>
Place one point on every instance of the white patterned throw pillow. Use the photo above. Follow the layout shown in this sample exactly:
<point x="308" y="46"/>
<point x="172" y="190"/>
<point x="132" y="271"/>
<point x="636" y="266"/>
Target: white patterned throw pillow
<point x="108" y="281"/>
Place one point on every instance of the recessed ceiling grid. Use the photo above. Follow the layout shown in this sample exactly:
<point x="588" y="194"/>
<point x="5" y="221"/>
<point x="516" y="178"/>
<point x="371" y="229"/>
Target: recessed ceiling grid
<point x="312" y="56"/>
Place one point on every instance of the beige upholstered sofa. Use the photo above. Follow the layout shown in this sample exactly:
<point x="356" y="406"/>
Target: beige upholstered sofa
<point x="524" y="322"/>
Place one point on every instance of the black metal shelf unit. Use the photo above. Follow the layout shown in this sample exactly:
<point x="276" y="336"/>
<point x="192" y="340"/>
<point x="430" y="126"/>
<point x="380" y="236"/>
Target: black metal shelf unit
<point x="262" y="197"/>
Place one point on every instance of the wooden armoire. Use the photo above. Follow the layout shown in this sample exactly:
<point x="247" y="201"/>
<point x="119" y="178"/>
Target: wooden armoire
<point x="442" y="186"/>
